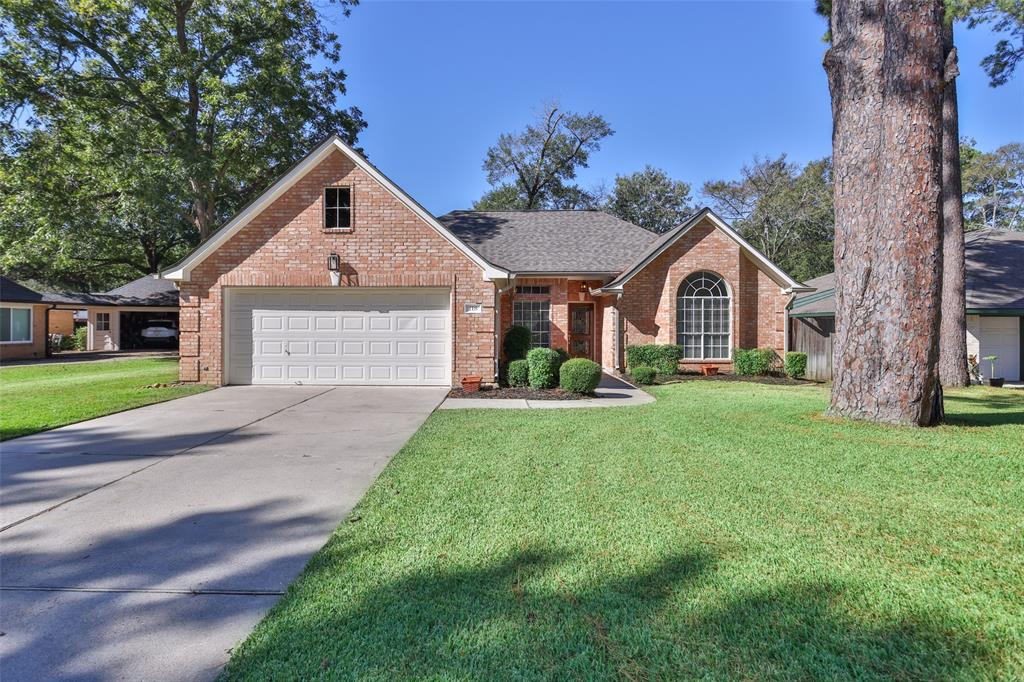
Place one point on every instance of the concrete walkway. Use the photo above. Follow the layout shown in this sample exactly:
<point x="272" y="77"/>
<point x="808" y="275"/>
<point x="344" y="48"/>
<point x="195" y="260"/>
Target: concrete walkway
<point x="611" y="392"/>
<point x="144" y="545"/>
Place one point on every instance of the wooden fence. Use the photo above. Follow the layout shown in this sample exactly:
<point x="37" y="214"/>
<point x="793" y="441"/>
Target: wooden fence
<point x="813" y="335"/>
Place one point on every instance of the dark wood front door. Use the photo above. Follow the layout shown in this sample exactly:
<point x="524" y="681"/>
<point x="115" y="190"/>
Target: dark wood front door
<point x="581" y="330"/>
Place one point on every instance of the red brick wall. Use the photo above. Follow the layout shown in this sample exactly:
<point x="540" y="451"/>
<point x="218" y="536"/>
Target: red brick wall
<point x="563" y="292"/>
<point x="649" y="299"/>
<point x="286" y="245"/>
<point x="34" y="349"/>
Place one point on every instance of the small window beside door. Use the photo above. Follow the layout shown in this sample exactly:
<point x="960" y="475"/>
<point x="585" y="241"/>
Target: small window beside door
<point x="103" y="322"/>
<point x="338" y="208"/>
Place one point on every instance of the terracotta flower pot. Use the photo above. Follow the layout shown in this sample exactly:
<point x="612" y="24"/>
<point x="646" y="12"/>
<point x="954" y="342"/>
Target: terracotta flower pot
<point x="709" y="370"/>
<point x="471" y="384"/>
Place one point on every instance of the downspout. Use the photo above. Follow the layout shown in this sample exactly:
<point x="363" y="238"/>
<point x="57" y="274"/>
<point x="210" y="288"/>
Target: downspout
<point x="785" y="325"/>
<point x="47" y="353"/>
<point x="617" y="341"/>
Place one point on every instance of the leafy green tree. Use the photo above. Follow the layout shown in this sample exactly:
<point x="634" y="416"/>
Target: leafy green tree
<point x="784" y="211"/>
<point x="194" y="105"/>
<point x="650" y="199"/>
<point x="535" y="168"/>
<point x="1005" y="16"/>
<point x="993" y="186"/>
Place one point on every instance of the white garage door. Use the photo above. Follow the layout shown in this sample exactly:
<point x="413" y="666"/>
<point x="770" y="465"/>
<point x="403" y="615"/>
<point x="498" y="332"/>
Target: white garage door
<point x="372" y="336"/>
<point x="1000" y="336"/>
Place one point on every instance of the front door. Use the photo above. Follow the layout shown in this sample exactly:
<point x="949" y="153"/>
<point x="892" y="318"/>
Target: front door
<point x="581" y="330"/>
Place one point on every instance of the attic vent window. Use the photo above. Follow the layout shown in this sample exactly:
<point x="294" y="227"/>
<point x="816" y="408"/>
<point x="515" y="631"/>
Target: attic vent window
<point x="533" y="290"/>
<point x="337" y="208"/>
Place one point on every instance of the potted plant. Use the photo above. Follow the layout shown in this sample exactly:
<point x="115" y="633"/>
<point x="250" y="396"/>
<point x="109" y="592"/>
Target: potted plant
<point x="471" y="384"/>
<point x="709" y="370"/>
<point x="996" y="382"/>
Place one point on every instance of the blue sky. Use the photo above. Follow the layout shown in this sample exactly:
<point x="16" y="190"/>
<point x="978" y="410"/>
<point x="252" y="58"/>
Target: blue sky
<point x="696" y="88"/>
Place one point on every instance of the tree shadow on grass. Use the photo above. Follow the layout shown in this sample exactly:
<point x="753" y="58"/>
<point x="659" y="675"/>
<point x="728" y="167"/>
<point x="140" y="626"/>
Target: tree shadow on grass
<point x="985" y="409"/>
<point x="532" y="616"/>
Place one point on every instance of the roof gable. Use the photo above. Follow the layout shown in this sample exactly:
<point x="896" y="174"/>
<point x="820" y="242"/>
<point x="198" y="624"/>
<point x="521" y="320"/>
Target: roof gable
<point x="181" y="271"/>
<point x="672" y="236"/>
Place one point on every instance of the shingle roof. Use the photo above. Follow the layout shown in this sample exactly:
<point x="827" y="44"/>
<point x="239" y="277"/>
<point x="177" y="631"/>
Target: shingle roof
<point x="551" y="241"/>
<point x="15" y="293"/>
<point x="994" y="261"/>
<point x="146" y="290"/>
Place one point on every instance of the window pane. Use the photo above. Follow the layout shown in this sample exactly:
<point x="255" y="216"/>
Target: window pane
<point x="535" y="316"/>
<point x="5" y="324"/>
<point x="330" y="218"/>
<point x="21" y="324"/>
<point x="344" y="217"/>
<point x="344" y="197"/>
<point x="702" y="317"/>
<point x="330" y="197"/>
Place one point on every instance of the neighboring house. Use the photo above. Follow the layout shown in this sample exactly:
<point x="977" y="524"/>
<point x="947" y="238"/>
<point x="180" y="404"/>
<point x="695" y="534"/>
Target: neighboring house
<point x="118" y="317"/>
<point x="995" y="308"/>
<point x="22" y="321"/>
<point x="335" y="275"/>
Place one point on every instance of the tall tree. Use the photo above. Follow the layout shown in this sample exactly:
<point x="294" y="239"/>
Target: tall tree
<point x="535" y="168"/>
<point x="650" y="199"/>
<point x="783" y="210"/>
<point x="226" y="91"/>
<point x="885" y="73"/>
<point x="993" y="186"/>
<point x="953" y="370"/>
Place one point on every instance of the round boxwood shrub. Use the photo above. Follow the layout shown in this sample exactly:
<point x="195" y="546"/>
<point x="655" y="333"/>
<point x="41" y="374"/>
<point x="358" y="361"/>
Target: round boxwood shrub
<point x="543" y="364"/>
<point x="517" y="343"/>
<point x="518" y="373"/>
<point x="643" y="374"/>
<point x="796" y="364"/>
<point x="579" y="375"/>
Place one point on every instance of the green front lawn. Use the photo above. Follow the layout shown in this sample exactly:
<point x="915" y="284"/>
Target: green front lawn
<point x="40" y="397"/>
<point x="728" y="531"/>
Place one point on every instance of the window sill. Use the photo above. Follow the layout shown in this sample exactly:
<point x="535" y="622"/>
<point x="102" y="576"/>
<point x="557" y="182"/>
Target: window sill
<point x="27" y="342"/>
<point x="339" y="230"/>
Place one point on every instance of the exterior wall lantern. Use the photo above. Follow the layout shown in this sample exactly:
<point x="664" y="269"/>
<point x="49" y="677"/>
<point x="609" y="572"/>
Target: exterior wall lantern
<point x="334" y="268"/>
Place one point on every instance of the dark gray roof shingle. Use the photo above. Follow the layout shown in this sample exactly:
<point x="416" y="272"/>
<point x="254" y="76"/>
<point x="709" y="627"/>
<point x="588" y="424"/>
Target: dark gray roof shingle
<point x="995" y="275"/>
<point x="551" y="241"/>
<point x="146" y="290"/>
<point x="15" y="293"/>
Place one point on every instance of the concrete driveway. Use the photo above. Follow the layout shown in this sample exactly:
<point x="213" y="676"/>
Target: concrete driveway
<point x="144" y="545"/>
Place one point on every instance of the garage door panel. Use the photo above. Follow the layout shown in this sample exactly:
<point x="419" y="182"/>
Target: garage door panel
<point x="330" y="336"/>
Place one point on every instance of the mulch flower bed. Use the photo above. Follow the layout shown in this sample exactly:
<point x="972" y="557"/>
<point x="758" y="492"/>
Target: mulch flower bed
<point x="778" y="380"/>
<point x="516" y="393"/>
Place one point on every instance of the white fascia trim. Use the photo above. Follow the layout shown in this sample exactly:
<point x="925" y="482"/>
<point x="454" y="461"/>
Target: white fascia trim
<point x="182" y="272"/>
<point x="781" y="278"/>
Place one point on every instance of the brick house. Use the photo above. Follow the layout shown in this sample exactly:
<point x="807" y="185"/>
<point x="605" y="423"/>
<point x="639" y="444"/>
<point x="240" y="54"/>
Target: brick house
<point x="335" y="275"/>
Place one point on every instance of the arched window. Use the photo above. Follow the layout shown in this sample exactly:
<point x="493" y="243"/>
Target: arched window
<point x="702" y="317"/>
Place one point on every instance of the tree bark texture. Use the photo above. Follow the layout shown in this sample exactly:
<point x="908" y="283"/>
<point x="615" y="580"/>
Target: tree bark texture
<point x="885" y="71"/>
<point x="953" y="334"/>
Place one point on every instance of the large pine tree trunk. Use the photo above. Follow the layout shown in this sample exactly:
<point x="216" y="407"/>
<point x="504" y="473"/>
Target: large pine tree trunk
<point x="953" y="335"/>
<point x="885" y="77"/>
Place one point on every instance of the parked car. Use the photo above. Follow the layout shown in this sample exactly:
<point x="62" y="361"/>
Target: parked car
<point x="159" y="332"/>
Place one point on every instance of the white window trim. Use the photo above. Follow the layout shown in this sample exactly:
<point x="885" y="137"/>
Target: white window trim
<point x="31" y="324"/>
<point x="531" y="301"/>
<point x="732" y="318"/>
<point x="107" y="313"/>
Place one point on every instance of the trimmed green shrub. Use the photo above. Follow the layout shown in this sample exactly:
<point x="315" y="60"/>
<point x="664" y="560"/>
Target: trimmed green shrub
<point x="796" y="364"/>
<point x="68" y="342"/>
<point x="544" y="363"/>
<point x="81" y="342"/>
<point x="579" y="375"/>
<point x="518" y="373"/>
<point x="517" y="343"/>
<point x="643" y="375"/>
<point x="754" y="361"/>
<point x="664" y="358"/>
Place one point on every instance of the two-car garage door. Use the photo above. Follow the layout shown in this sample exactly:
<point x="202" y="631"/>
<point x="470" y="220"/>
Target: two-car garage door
<point x="371" y="336"/>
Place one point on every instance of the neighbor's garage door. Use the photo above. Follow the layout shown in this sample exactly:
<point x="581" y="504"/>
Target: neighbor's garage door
<point x="1000" y="336"/>
<point x="339" y="336"/>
